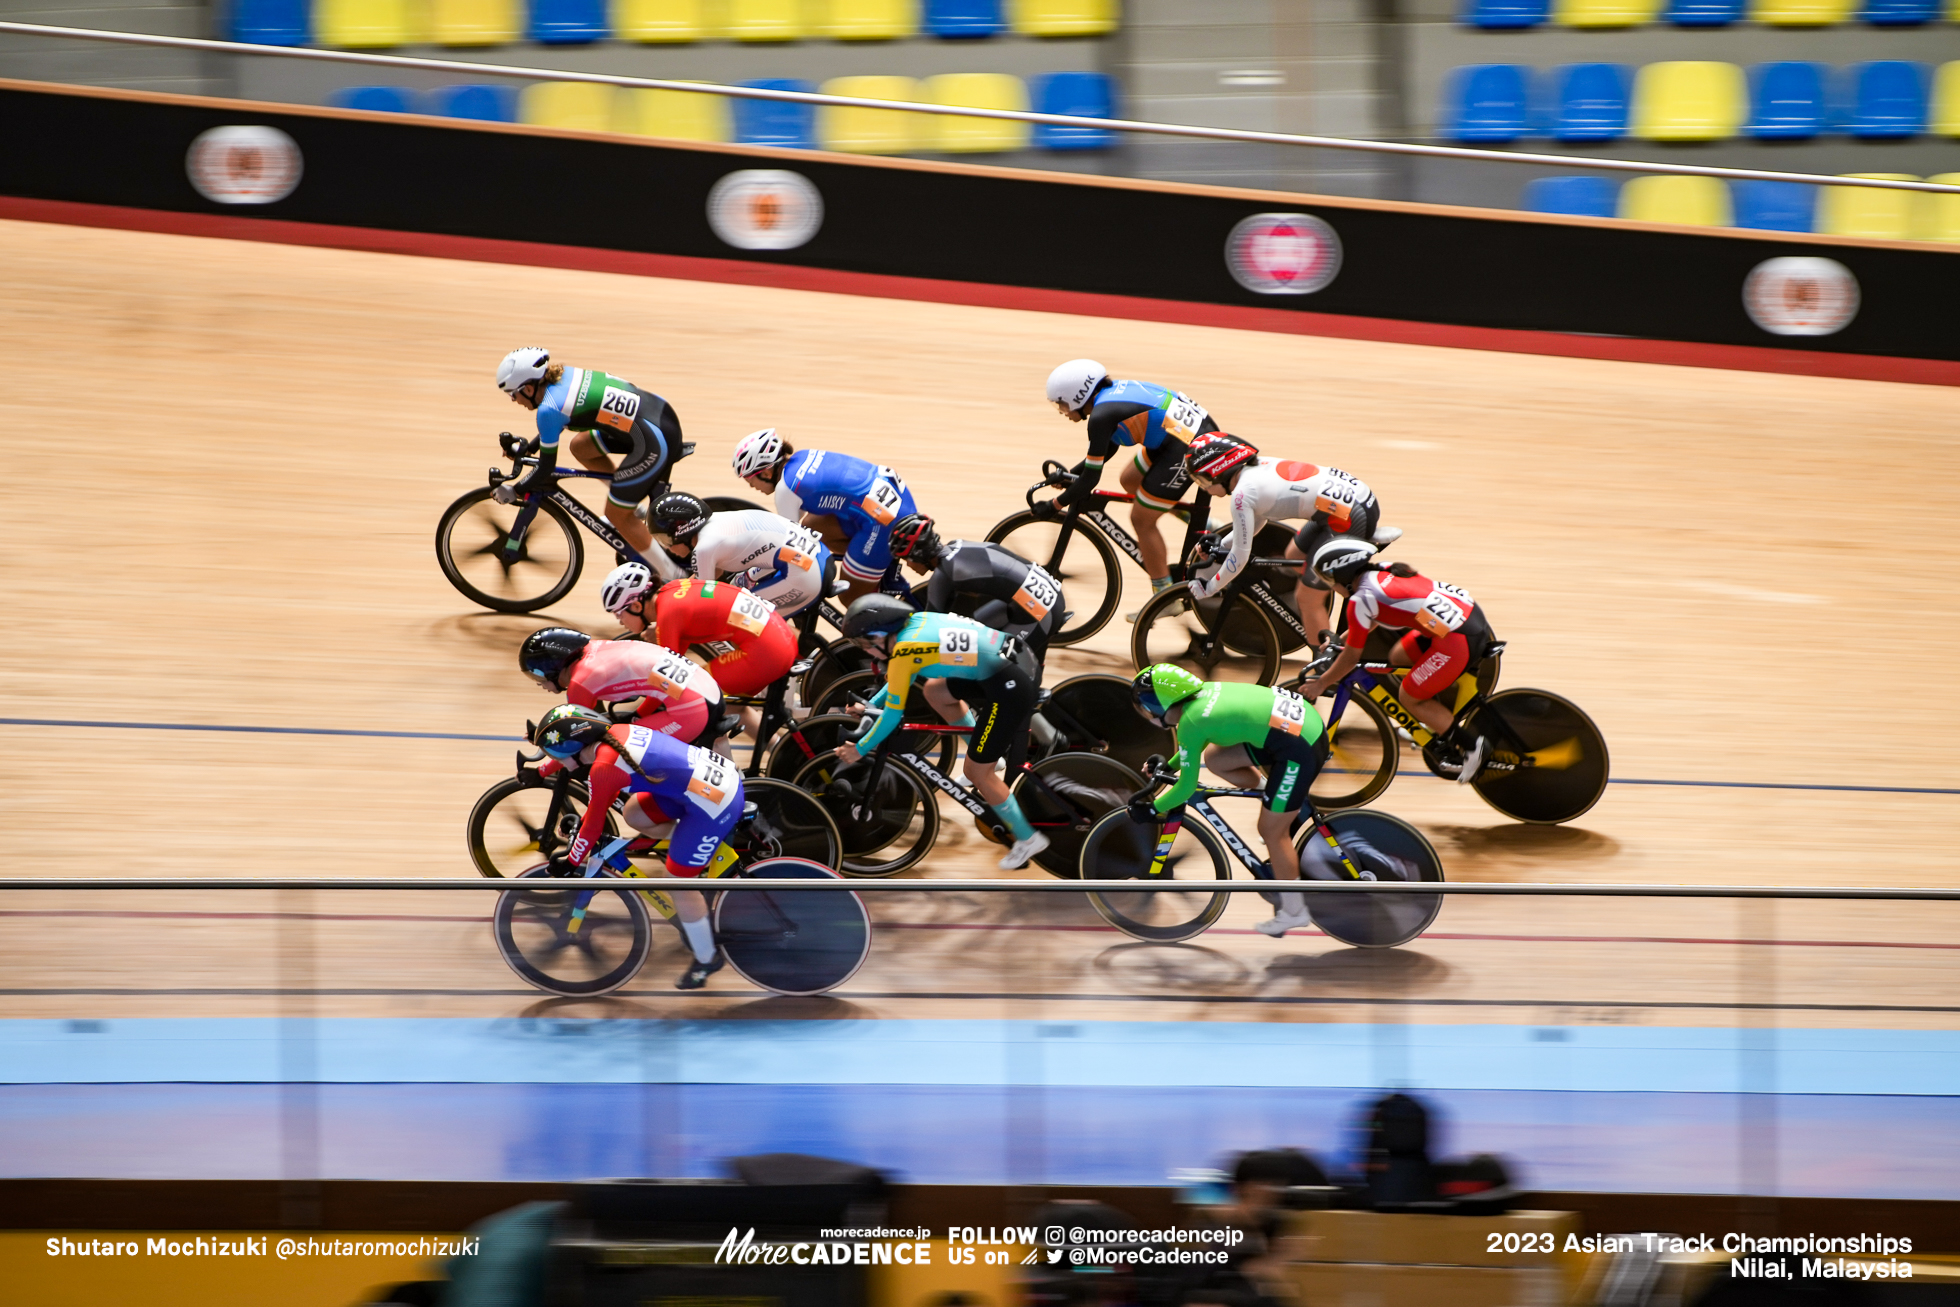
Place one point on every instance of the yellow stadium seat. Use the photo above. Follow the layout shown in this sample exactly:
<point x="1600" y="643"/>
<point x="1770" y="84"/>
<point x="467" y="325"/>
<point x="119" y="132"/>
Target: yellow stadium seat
<point x="870" y="131"/>
<point x="1689" y="100"/>
<point x="650" y="21"/>
<point x="950" y="135"/>
<point x="1942" y="212"/>
<point x="1064" y="17"/>
<point x="870" y="20"/>
<point x="1683" y="201"/>
<point x="1800" y="13"/>
<point x="1946" y="98"/>
<point x="676" y="115"/>
<point x="365" y="24"/>
<point x="1873" y="214"/>
<point x="573" y="106"/>
<point x="473" y="22"/>
<point x="765" y="20"/>
<point x="1605" y="13"/>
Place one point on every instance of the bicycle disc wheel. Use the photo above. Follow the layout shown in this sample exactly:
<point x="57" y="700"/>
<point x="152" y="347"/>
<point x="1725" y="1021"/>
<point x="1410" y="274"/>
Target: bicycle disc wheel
<point x="829" y="663"/>
<point x="885" y="834"/>
<point x="1097" y="714"/>
<point x="1119" y="849"/>
<point x="865" y="687"/>
<point x="1363" y="755"/>
<point x="1549" y="762"/>
<point x="793" y="941"/>
<point x="1090" y="577"/>
<point x="1075" y="790"/>
<point x="470" y="540"/>
<point x="788" y="823"/>
<point x="1377" y="920"/>
<point x="804" y="740"/>
<point x="506" y="829"/>
<point x="1172" y="628"/>
<point x="577" y="941"/>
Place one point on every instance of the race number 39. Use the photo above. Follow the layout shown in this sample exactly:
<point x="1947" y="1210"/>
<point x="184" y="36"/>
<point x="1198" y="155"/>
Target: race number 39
<point x="1039" y="593"/>
<point x="618" y="408"/>
<point x="750" y="613"/>
<point x="1183" y="416"/>
<point x="959" y="647"/>
<point x="1289" y="712"/>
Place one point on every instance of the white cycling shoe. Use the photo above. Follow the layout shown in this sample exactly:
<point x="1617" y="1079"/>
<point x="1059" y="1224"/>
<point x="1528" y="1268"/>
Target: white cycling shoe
<point x="1282" y="921"/>
<point x="1023" y="850"/>
<point x="1473" y="761"/>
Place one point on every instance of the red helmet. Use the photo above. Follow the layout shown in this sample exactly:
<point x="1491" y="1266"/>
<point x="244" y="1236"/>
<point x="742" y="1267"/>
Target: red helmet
<point x="1214" y="455"/>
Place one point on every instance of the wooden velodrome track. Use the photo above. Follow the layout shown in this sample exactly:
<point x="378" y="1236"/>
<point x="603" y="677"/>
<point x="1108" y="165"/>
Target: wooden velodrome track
<point x="225" y="461"/>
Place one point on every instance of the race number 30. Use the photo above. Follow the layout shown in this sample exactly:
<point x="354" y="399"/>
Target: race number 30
<point x="750" y="612"/>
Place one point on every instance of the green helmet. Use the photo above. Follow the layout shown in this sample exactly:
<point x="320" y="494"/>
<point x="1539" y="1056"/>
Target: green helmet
<point x="1160" y="686"/>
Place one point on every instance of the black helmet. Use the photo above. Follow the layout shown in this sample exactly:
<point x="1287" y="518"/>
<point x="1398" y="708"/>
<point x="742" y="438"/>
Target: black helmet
<point x="875" y="614"/>
<point x="1342" y="559"/>
<point x="547" y="653"/>
<point x="677" y="516"/>
<point x="913" y="537"/>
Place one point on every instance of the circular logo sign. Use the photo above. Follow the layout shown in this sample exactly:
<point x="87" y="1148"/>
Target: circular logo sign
<point x="1801" y="296"/>
<point x="765" y="209"/>
<point x="243" y="165"/>
<point x="1283" y="254"/>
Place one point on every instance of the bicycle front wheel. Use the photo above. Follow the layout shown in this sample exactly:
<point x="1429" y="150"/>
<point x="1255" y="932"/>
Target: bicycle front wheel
<point x="835" y="659"/>
<point x="805" y="740"/>
<point x="1206" y="639"/>
<point x="1363" y="755"/>
<point x="510" y="828"/>
<point x="884" y="832"/>
<point x="1090" y="577"/>
<point x="470" y="546"/>
<point x="1120" y="849"/>
<point x="865" y="688"/>
<point x="793" y="941"/>
<point x="1549" y="762"/>
<point x="1096" y="713"/>
<point x="1064" y="795"/>
<point x="588" y="938"/>
<point x="1375" y="920"/>
<point x="789" y="823"/>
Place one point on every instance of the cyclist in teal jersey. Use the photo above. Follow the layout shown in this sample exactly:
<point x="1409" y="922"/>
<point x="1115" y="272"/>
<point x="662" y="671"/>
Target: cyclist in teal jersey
<point x="607" y="416"/>
<point x="1234" y="728"/>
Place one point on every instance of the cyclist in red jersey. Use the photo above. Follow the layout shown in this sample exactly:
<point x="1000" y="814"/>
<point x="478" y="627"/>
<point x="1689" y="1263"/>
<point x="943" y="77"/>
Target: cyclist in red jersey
<point x="753" y="645"/>
<point x="1446" y="634"/>
<point x="677" y="697"/>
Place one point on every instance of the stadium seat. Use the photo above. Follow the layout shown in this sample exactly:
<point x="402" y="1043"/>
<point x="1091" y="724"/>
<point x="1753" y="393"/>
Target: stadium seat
<point x="870" y="131"/>
<point x="1683" y="201"/>
<point x="1800" y="13"/>
<point x="1899" y="13"/>
<point x="1688" y="100"/>
<point x="1786" y="101"/>
<point x="568" y="22"/>
<point x="676" y="115"/>
<point x="1774" y="206"/>
<point x="870" y="20"/>
<point x="267" y="22"/>
<point x="1942" y="212"/>
<point x="489" y="104"/>
<point x="473" y="22"/>
<point x="1064" y="17"/>
<point x="571" y="106"/>
<point x="776" y="122"/>
<point x="364" y="24"/>
<point x="1605" y="13"/>
<point x="1583" y="197"/>
<point x="1589" y="102"/>
<point x="1499" y="15"/>
<point x="974" y="135"/>
<point x="1872" y="214"/>
<point x="1703" y="13"/>
<point x="1946" y="100"/>
<point x="1888" y="101"/>
<point x="660" y="21"/>
<point x="1484" y="102"/>
<point x="1076" y="95"/>
<point x="765" y="20"/>
<point x="964" y="19"/>
<point x="374" y="99"/>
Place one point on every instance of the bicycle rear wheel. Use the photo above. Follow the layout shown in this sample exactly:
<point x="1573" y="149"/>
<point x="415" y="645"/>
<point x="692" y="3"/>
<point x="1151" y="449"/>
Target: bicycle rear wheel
<point x="470" y="539"/>
<point x="1090" y="577"/>
<point x="884" y="833"/>
<point x="788" y="823"/>
<point x="1097" y="714"/>
<point x="507" y="827"/>
<point x="1074" y="791"/>
<point x="1120" y="849"/>
<point x="1549" y="762"/>
<point x="578" y="941"/>
<point x="806" y="739"/>
<point x="1363" y="755"/>
<point x="866" y="687"/>
<point x="793" y="941"/>
<point x="832" y="661"/>
<point x="1376" y="920"/>
<point x="1174" y="628"/>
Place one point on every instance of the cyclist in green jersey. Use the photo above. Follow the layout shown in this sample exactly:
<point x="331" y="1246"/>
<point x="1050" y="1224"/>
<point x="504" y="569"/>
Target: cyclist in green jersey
<point x="1235" y="729"/>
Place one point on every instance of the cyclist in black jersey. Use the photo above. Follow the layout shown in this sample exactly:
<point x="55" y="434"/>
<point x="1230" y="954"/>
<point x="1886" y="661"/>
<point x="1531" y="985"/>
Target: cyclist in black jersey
<point x="974" y="578"/>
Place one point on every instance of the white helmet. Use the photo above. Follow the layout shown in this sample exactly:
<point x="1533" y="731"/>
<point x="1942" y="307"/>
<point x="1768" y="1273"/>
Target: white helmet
<point x="759" y="451"/>
<point x="521" y="367"/>
<point x="1074" y="382"/>
<point x="626" y="585"/>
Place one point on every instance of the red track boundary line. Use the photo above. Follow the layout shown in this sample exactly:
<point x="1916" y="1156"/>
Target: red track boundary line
<point x="1744" y="358"/>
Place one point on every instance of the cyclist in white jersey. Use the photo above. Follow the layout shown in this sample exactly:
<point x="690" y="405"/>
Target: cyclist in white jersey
<point x="755" y="549"/>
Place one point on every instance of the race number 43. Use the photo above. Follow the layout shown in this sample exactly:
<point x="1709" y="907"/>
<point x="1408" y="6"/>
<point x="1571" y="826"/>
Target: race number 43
<point x="1289" y="712"/>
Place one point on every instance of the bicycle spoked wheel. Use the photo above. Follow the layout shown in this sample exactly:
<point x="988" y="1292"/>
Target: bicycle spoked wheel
<point x="470" y="539"/>
<point x="1119" y="849"/>
<point x="865" y="688"/>
<point x="1363" y="755"/>
<point x="1391" y="849"/>
<point x="507" y="829"/>
<point x="1090" y="577"/>
<point x="788" y="823"/>
<point x="1096" y="713"/>
<point x="1549" y="762"/>
<point x="1064" y="798"/>
<point x="793" y="941"/>
<point x="578" y="941"/>
<point x="885" y="832"/>
<point x="1174" y="628"/>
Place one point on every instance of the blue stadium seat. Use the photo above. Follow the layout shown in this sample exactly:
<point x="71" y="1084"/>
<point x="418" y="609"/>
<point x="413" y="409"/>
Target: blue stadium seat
<point x="374" y="99"/>
<point x="776" y="122"/>
<point x="1079" y="95"/>
<point x="1703" y="13"/>
<point x="1584" y="197"/>
<point x="1899" y="13"/>
<point x="1484" y="102"/>
<point x="964" y="18"/>
<point x="1786" y="101"/>
<point x="1774" y="206"/>
<point x="1889" y="100"/>
<point x="488" y="104"/>
<point x="1505" y="13"/>
<point x="1589" y="102"/>
<point x="568" y="22"/>
<point x="267" y="22"/>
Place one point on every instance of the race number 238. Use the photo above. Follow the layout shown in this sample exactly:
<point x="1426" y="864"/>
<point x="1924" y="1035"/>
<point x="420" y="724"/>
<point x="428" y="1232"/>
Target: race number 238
<point x="618" y="408"/>
<point x="959" y="647"/>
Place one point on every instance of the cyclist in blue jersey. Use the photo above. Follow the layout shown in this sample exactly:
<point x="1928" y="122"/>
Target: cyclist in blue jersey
<point x="973" y="676"/>
<point x="1158" y="421"/>
<point x="607" y="415"/>
<point x="851" y="502"/>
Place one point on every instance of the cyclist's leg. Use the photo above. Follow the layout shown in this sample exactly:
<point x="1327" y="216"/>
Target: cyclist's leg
<point x="1291" y="766"/>
<point x="1310" y="592"/>
<point x="867" y="560"/>
<point x="591" y="455"/>
<point x="643" y="468"/>
<point x="1234" y="764"/>
<point x="1436" y="664"/>
<point x="800" y="587"/>
<point x="750" y="670"/>
<point x="692" y="846"/>
<point x="1002" y="706"/>
<point x="691" y="720"/>
<point x="1158" y="480"/>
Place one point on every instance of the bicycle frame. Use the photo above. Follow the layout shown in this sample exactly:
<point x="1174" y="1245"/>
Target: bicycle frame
<point x="1194" y="516"/>
<point x="964" y="795"/>
<point x="1375" y="681"/>
<point x="1261" y="869"/>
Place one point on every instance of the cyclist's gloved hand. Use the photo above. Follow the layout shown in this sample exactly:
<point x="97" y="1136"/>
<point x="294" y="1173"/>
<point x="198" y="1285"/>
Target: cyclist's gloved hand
<point x="864" y="725"/>
<point x="558" y="866"/>
<point x="1204" y="587"/>
<point x="1079" y="489"/>
<point x="1143" y="811"/>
